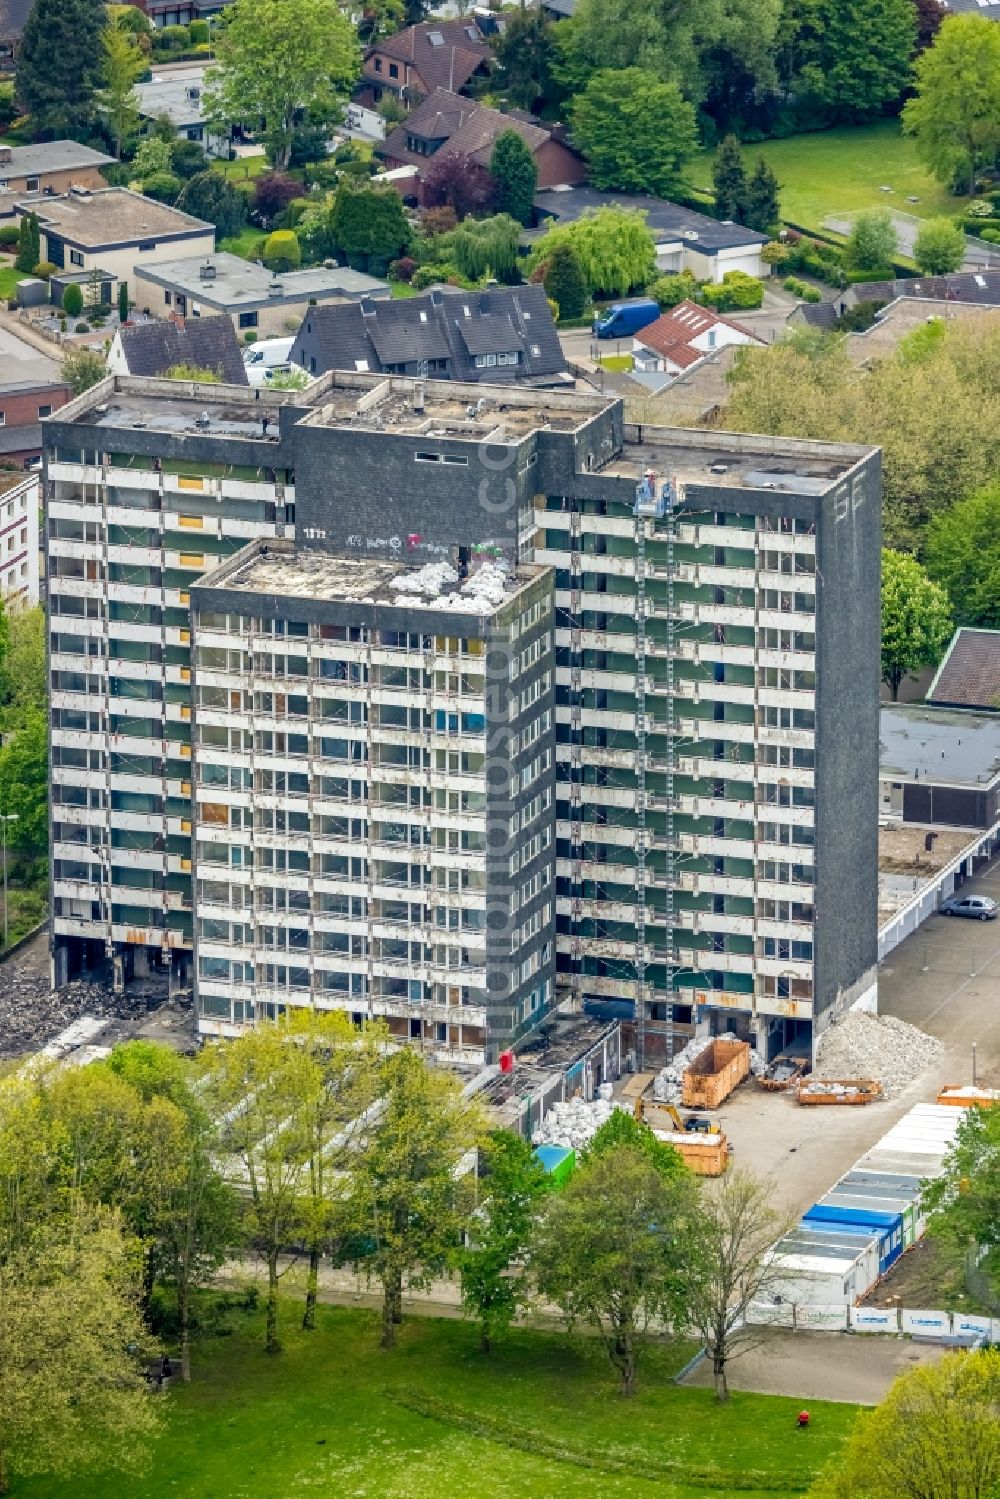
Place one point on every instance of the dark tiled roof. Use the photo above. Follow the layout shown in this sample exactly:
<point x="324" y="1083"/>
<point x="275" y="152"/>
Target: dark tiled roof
<point x="455" y="327"/>
<point x="21" y="439"/>
<point x="969" y="675"/>
<point x="818" y="314"/>
<point x="444" y="53"/>
<point x="468" y="128"/>
<point x="664" y="220"/>
<point x="981" y="287"/>
<point x="208" y="343"/>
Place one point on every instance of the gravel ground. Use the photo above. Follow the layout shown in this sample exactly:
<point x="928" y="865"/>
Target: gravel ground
<point x="876" y="1046"/>
<point x="31" y="1013"/>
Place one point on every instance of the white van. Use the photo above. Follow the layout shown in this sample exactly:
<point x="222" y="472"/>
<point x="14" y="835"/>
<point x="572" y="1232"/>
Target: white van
<point x="264" y="359"/>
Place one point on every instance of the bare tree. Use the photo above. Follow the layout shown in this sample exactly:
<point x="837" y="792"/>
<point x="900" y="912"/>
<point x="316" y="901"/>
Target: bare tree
<point x="738" y="1225"/>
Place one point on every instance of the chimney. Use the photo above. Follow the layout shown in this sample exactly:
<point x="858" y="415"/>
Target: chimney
<point x="418" y="396"/>
<point x="176" y="319"/>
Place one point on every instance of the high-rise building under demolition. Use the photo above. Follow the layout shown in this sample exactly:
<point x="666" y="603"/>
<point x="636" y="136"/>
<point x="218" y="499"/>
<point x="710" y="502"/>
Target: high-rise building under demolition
<point x="447" y="705"/>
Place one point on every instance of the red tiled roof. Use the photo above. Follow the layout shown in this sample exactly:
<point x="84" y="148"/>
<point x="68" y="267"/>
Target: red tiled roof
<point x="448" y="61"/>
<point x="468" y="128"/>
<point x="672" y="335"/>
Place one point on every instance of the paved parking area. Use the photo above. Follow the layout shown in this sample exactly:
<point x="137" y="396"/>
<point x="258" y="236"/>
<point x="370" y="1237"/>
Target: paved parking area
<point x="821" y="1365"/>
<point x="945" y="979"/>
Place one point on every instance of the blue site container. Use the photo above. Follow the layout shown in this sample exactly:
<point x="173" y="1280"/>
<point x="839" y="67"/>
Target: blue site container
<point x="557" y="1160"/>
<point x="887" y="1226"/>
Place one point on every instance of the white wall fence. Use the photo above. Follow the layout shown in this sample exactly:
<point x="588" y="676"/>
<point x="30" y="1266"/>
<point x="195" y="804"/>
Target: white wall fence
<point x="929" y="897"/>
<point x="935" y="1326"/>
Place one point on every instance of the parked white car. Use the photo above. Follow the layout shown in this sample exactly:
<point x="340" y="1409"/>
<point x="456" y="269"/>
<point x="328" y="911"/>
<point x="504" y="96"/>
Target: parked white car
<point x="264" y="359"/>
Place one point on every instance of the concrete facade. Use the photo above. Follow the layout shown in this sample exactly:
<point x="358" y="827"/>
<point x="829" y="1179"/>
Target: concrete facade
<point x="712" y="606"/>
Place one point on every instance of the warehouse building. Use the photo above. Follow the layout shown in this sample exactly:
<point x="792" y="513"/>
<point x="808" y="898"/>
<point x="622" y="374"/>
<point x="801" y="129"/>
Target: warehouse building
<point x="667" y="679"/>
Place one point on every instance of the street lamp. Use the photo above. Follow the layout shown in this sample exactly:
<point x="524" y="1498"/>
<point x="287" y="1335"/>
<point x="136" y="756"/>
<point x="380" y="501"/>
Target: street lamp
<point x="4" y="820"/>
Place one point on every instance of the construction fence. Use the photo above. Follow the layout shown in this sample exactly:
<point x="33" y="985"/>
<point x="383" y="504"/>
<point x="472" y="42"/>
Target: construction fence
<point x="936" y="1326"/>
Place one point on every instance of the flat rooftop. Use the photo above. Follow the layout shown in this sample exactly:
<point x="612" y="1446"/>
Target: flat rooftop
<point x="126" y="403"/>
<point x="51" y="156"/>
<point x="113" y="216"/>
<point x="170" y="93"/>
<point x="23" y="367"/>
<point x="443" y="409"/>
<point x="228" y="281"/>
<point x="939" y="745"/>
<point x="289" y="572"/>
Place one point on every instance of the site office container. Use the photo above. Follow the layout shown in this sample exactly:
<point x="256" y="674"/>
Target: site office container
<point x="903" y="1163"/>
<point x="811" y="1280"/>
<point x="905" y="1208"/>
<point x="888" y="1227"/>
<point x="557" y="1160"/>
<point x="714" y="1074"/>
<point x="837" y="1242"/>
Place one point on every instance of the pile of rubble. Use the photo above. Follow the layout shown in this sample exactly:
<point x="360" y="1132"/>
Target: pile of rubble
<point x="31" y="1013"/>
<point x="574" y="1123"/>
<point x="876" y="1046"/>
<point x="667" y="1083"/>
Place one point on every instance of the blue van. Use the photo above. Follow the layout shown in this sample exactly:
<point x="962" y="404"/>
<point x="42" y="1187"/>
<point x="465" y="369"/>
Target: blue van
<point x="622" y="319"/>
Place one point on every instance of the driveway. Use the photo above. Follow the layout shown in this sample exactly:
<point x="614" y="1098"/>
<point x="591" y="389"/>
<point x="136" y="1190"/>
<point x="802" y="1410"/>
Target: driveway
<point x="907" y="228"/>
<point x="821" y="1365"/>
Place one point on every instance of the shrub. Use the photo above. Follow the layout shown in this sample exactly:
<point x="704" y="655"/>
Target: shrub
<point x="564" y="282"/>
<point x="402" y="269"/>
<point x="294" y="212"/>
<point x="163" y="186"/>
<point x="736" y="292"/>
<point x="187" y="159"/>
<point x="442" y="220"/>
<point x="669" y="290"/>
<point x="9" y="234"/>
<point x="282" y="251"/>
<point x="272" y="193"/>
<point x="430" y="275"/>
<point x="976" y="226"/>
<point x="801" y="290"/>
<point x="775" y="253"/>
<point x="198" y="31"/>
<point x="879" y="273"/>
<point x="992" y="236"/>
<point x="81" y="328"/>
<point x="44" y="269"/>
<point x="73" y="299"/>
<point x="980" y="208"/>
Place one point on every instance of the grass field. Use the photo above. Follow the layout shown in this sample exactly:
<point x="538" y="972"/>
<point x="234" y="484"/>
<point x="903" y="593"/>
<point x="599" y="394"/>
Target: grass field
<point x="243" y="169"/>
<point x="833" y="171"/>
<point x="9" y="277"/>
<point x="334" y="1415"/>
<point x="249" y="243"/>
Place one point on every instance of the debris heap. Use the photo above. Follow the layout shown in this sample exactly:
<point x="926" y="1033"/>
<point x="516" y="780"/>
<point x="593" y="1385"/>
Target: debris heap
<point x="574" y="1123"/>
<point x="876" y="1046"/>
<point x="667" y="1083"/>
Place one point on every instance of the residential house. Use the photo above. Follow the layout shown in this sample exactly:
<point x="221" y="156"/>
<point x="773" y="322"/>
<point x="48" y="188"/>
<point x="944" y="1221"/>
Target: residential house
<point x="450" y="125"/>
<point x="116" y="231"/>
<point x="176" y="92"/>
<point x="208" y="343"/>
<point x="684" y="336"/>
<point x="969" y="675"/>
<point x="179" y="12"/>
<point x="51" y="167"/>
<point x="685" y="240"/>
<point x="414" y="63"/>
<point x="503" y="334"/>
<point x="257" y="301"/>
<point x="980" y="287"/>
<point x="31" y="387"/>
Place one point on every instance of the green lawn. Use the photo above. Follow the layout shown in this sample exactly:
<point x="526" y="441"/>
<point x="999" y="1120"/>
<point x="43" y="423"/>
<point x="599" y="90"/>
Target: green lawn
<point x="243" y="169"/>
<point x="9" y="277"/>
<point x="833" y="171"/>
<point x="334" y="1415"/>
<point x="249" y="243"/>
<point x="622" y="363"/>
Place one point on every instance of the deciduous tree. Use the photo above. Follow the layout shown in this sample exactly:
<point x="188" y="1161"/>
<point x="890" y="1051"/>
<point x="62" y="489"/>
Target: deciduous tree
<point x="123" y="61"/>
<point x="259" y="1090"/>
<point x="59" y="67"/>
<point x="24" y="785"/>
<point x="916" y="619"/>
<point x="494" y="1286"/>
<point x="936" y="1435"/>
<point x="72" y="1395"/>
<point x="955" y="112"/>
<point x="515" y="173"/>
<point x="369" y="224"/>
<point x="454" y="180"/>
<point x="939" y="247"/>
<point x="737" y="1226"/>
<point x="278" y="59"/>
<point x="406" y="1192"/>
<point x="962" y="553"/>
<point x="636" y="132"/>
<point x="855" y="57"/>
<point x="613" y="246"/>
<point x="82" y="368"/>
<point x="873" y="240"/>
<point x="612" y="1250"/>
